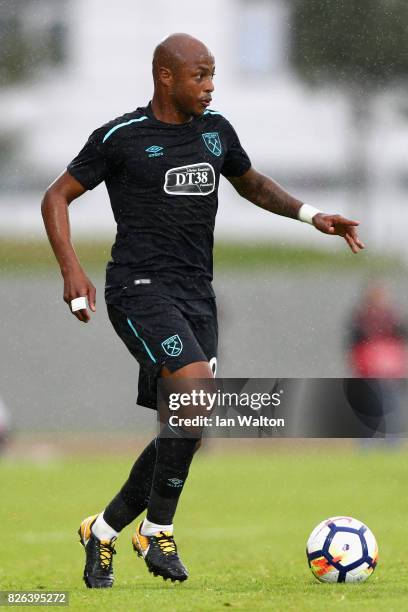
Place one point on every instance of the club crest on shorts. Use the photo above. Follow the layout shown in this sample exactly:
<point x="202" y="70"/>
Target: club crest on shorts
<point x="173" y="346"/>
<point x="213" y="143"/>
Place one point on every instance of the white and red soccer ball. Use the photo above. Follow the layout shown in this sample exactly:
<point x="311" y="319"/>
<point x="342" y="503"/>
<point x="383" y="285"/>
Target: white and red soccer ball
<point x="342" y="549"/>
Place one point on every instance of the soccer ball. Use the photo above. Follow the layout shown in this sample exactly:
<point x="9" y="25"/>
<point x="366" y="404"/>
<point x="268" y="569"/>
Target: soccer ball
<point x="342" y="549"/>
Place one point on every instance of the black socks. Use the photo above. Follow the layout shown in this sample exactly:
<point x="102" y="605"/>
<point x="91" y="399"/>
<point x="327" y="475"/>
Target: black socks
<point x="133" y="498"/>
<point x="155" y="482"/>
<point x="174" y="456"/>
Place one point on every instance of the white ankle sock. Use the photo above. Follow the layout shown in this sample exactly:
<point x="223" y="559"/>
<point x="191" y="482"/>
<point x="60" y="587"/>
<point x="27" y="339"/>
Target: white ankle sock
<point x="102" y="530"/>
<point x="148" y="528"/>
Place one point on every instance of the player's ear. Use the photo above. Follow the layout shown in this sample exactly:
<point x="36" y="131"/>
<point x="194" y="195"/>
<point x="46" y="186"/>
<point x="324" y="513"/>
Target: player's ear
<point x="165" y="76"/>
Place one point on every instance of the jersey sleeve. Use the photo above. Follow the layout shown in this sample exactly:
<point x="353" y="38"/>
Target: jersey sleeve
<point x="236" y="161"/>
<point x="90" y="166"/>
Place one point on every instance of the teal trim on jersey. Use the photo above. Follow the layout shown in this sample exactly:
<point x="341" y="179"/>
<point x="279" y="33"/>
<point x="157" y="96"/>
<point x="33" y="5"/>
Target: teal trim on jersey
<point x="210" y="112"/>
<point x="116" y="127"/>
<point x="148" y="351"/>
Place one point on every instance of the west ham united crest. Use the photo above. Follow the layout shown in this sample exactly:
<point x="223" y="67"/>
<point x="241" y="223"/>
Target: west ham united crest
<point x="173" y="346"/>
<point x="213" y="143"/>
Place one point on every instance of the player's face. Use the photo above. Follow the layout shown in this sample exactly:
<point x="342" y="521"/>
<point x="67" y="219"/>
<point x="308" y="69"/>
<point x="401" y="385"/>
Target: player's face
<point x="193" y="85"/>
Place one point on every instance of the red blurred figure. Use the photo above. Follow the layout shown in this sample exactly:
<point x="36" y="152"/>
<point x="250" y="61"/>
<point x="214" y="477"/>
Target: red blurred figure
<point x="5" y="426"/>
<point x="378" y="338"/>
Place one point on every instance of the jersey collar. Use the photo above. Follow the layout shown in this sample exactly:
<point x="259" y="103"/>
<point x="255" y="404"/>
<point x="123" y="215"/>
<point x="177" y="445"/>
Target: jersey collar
<point x="177" y="126"/>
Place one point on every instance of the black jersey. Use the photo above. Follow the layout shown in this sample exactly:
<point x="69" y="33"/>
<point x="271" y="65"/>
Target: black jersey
<point x="162" y="181"/>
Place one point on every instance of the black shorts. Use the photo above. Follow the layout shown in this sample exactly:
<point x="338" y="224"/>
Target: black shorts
<point x="160" y="330"/>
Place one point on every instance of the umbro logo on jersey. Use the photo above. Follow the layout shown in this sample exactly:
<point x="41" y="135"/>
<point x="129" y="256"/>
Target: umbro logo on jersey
<point x="154" y="151"/>
<point x="195" y="179"/>
<point x="213" y="143"/>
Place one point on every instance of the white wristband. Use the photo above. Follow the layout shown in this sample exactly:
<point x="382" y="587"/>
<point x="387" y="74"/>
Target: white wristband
<point x="307" y="212"/>
<point x="78" y="304"/>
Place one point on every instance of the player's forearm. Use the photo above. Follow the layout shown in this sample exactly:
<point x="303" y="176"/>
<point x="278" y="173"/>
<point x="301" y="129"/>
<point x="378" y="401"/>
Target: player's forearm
<point x="267" y="194"/>
<point x="54" y="210"/>
<point x="275" y="199"/>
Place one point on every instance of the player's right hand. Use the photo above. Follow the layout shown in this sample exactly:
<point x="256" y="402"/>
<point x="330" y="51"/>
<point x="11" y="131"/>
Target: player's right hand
<point x="77" y="284"/>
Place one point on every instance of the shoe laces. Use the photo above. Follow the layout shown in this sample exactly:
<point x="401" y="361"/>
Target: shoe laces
<point x="106" y="552"/>
<point x="166" y="543"/>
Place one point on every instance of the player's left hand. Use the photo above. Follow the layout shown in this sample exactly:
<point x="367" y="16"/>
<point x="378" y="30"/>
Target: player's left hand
<point x="339" y="226"/>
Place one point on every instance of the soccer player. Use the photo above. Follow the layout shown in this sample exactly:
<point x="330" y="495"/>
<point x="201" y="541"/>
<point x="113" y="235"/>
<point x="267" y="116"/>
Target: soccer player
<point x="161" y="164"/>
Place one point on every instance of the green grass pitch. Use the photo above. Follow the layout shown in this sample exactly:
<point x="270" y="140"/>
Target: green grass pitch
<point x="241" y="528"/>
